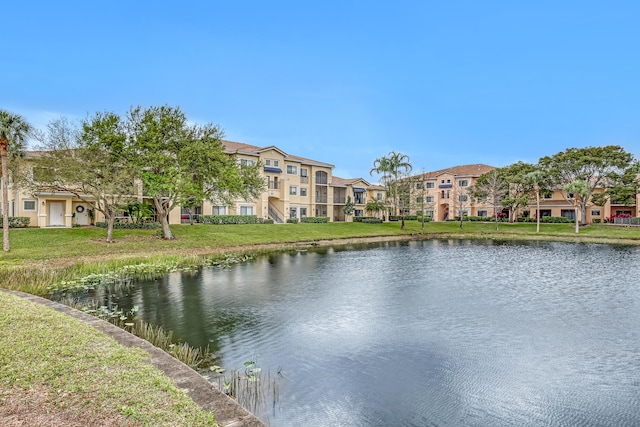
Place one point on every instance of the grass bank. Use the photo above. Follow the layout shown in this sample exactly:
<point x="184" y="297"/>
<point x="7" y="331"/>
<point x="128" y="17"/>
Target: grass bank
<point x="56" y="371"/>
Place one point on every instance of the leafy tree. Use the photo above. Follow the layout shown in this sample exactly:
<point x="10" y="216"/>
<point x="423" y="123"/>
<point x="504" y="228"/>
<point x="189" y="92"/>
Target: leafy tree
<point x="14" y="130"/>
<point x="598" y="167"/>
<point x="394" y="168"/>
<point x="580" y="190"/>
<point x="536" y="179"/>
<point x="462" y="201"/>
<point x="375" y="206"/>
<point x="89" y="163"/>
<point x="491" y="188"/>
<point x="518" y="187"/>
<point x="349" y="207"/>
<point x="178" y="162"/>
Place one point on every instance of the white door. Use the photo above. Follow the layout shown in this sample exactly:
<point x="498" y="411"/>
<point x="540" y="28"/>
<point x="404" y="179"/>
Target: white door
<point x="82" y="215"/>
<point x="56" y="213"/>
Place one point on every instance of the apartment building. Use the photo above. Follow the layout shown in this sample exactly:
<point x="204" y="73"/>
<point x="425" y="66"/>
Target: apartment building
<point x="296" y="188"/>
<point x="445" y="193"/>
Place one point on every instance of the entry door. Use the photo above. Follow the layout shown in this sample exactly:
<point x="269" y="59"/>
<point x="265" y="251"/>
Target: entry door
<point x="56" y="213"/>
<point x="82" y="215"/>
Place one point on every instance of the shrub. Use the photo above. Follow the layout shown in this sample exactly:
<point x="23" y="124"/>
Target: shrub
<point x="292" y="221"/>
<point x="315" y="219"/>
<point x="228" y="219"/>
<point x="131" y="225"/>
<point x="362" y="218"/>
<point x="265" y="221"/>
<point x="17" y="221"/>
<point x="371" y="220"/>
<point x="596" y="221"/>
<point x="406" y="217"/>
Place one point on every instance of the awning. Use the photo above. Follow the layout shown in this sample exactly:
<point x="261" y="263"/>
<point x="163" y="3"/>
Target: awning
<point x="358" y="190"/>
<point x="276" y="170"/>
<point x="445" y="185"/>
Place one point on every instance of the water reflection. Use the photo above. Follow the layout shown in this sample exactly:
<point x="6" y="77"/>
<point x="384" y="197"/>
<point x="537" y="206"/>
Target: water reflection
<point x="443" y="332"/>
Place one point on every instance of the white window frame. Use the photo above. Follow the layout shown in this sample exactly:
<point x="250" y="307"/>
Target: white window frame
<point x="247" y="162"/>
<point x="248" y="210"/>
<point x="431" y="184"/>
<point x="267" y="162"/>
<point x="303" y="212"/>
<point x="293" y="212"/>
<point x="463" y="183"/>
<point x="219" y="209"/>
<point x="24" y="205"/>
<point x="303" y="191"/>
<point x="293" y="190"/>
<point x="292" y="170"/>
<point x="595" y="212"/>
<point x="429" y="199"/>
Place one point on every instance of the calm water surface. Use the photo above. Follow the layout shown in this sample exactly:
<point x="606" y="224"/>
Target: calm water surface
<point x="435" y="333"/>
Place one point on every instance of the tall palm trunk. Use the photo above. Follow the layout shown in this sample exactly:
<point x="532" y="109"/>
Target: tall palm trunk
<point x="5" y="195"/>
<point x="537" y="190"/>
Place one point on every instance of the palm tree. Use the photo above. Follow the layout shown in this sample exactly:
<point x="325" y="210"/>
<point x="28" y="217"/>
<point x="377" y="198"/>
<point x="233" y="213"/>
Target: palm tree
<point x="14" y="130"/>
<point x="535" y="178"/>
<point x="392" y="167"/>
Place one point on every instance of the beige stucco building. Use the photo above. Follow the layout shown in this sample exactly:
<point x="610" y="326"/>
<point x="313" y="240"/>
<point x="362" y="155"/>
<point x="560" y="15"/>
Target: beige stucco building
<point x="296" y="187"/>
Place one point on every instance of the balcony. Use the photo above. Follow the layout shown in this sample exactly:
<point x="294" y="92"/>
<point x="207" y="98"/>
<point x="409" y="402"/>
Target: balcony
<point x="321" y="199"/>
<point x="339" y="200"/>
<point x="274" y="185"/>
<point x="304" y="179"/>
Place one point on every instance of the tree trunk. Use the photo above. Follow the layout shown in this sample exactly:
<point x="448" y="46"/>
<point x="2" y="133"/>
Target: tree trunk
<point x="495" y="215"/>
<point x="537" y="210"/>
<point x="577" y="223"/>
<point x="163" y="213"/>
<point x="111" y="219"/>
<point x="5" y="196"/>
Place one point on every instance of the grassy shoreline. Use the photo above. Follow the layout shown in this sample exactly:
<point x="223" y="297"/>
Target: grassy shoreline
<point x="40" y="257"/>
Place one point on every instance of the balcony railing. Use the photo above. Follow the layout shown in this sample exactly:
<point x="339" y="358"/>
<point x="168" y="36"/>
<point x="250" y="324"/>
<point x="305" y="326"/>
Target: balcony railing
<point x="321" y="180"/>
<point x="274" y="185"/>
<point x="304" y="179"/>
<point x="321" y="199"/>
<point x="340" y="200"/>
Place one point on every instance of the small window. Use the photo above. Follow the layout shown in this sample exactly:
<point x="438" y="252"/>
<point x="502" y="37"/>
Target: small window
<point x="463" y="183"/>
<point x="267" y="162"/>
<point x="442" y="181"/>
<point x="246" y="210"/>
<point x="303" y="191"/>
<point x="428" y="213"/>
<point x="293" y="212"/>
<point x="247" y="162"/>
<point x="419" y="186"/>
<point x="429" y="199"/>
<point x="219" y="210"/>
<point x="29" y="205"/>
<point x="431" y="184"/>
<point x="570" y="195"/>
<point x="448" y="181"/>
<point x="304" y="172"/>
<point x="419" y="199"/>
<point x="292" y="170"/>
<point x="595" y="212"/>
<point x="482" y="213"/>
<point x="276" y="163"/>
<point x="463" y="198"/>
<point x="547" y="195"/>
<point x="293" y="190"/>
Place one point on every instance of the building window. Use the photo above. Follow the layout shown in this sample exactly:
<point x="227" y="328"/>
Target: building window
<point x="428" y="213"/>
<point x="378" y="196"/>
<point x="419" y="186"/>
<point x="465" y="213"/>
<point x="568" y="213"/>
<point x="463" y="198"/>
<point x="569" y="195"/>
<point x="463" y="183"/>
<point x="303" y="212"/>
<point x="547" y="195"/>
<point x="419" y="199"/>
<point x="247" y="162"/>
<point x="358" y="198"/>
<point x="303" y="191"/>
<point x="304" y="172"/>
<point x="292" y="170"/>
<point x="293" y="190"/>
<point x="219" y="210"/>
<point x="545" y="212"/>
<point x="357" y="212"/>
<point x="431" y="184"/>
<point x="293" y="212"/>
<point x="430" y="199"/>
<point x="29" y="205"/>
<point x="267" y="162"/>
<point x="276" y="163"/>
<point x="246" y="210"/>
<point x="595" y="212"/>
<point x="482" y="213"/>
<point x="442" y="181"/>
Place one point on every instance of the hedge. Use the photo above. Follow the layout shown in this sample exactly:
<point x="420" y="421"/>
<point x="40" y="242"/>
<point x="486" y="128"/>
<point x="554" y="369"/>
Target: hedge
<point x="362" y="218"/>
<point x="371" y="221"/>
<point x="406" y="217"/>
<point x="228" y="219"/>
<point x="548" y="220"/>
<point x="265" y="221"/>
<point x="17" y="221"/>
<point x="315" y="219"/>
<point x="292" y="220"/>
<point x="131" y="225"/>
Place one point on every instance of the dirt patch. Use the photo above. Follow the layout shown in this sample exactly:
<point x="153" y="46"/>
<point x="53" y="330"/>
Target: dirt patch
<point x="39" y="407"/>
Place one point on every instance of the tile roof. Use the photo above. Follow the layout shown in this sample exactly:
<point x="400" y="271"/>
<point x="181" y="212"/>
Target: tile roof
<point x="463" y="170"/>
<point x="231" y="147"/>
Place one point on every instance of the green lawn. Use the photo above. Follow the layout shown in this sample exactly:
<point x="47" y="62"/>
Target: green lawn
<point x="58" y="362"/>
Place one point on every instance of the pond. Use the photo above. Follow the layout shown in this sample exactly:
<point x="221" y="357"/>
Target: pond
<point x="475" y="333"/>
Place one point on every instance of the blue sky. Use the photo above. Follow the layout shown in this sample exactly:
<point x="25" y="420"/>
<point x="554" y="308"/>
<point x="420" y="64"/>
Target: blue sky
<point x="344" y="82"/>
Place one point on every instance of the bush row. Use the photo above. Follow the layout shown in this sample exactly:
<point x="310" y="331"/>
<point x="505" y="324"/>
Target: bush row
<point x="548" y="220"/>
<point x="292" y="221"/>
<point x="131" y="225"/>
<point x="315" y="219"/>
<point x="17" y="221"/>
<point x="228" y="219"/>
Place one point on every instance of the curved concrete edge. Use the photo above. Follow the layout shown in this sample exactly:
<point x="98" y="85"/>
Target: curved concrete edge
<point x="226" y="411"/>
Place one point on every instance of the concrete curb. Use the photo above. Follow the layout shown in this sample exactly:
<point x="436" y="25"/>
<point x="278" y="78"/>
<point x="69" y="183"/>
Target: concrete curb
<point x="227" y="412"/>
